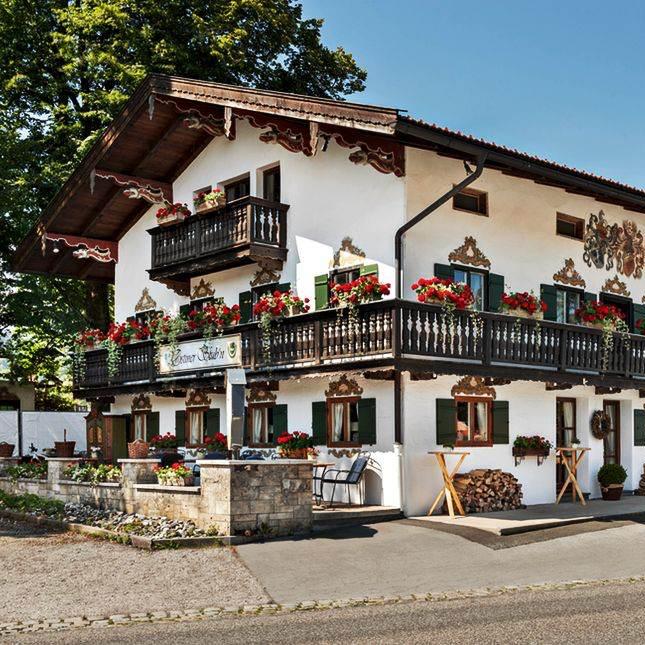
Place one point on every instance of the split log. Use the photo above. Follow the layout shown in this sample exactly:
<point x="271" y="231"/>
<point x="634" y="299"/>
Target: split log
<point x="485" y="490"/>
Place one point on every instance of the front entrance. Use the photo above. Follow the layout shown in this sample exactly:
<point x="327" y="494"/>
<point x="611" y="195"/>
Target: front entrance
<point x="611" y="442"/>
<point x="565" y="432"/>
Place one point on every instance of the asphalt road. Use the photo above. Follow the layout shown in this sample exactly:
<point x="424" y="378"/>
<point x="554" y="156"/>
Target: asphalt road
<point x="599" y="613"/>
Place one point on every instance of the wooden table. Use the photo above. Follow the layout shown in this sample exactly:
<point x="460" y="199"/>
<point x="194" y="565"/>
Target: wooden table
<point x="448" y="488"/>
<point x="324" y="465"/>
<point x="571" y="458"/>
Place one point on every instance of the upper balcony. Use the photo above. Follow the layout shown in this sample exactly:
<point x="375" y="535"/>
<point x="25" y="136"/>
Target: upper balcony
<point x="419" y="338"/>
<point x="244" y="231"/>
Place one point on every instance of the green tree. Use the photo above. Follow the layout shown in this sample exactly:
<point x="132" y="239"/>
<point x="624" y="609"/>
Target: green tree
<point x="67" y="68"/>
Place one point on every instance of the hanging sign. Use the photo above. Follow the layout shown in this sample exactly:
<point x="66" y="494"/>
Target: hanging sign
<point x="191" y="355"/>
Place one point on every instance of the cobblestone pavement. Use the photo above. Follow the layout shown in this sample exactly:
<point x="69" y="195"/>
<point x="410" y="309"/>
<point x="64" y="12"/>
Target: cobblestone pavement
<point x="577" y="612"/>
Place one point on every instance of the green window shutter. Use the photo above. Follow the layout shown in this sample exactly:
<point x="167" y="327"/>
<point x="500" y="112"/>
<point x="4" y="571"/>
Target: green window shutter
<point x="246" y="306"/>
<point x="180" y="426"/>
<point x="446" y="429"/>
<point x="495" y="291"/>
<point x="283" y="287"/>
<point x="321" y="291"/>
<point x="639" y="427"/>
<point x="589" y="297"/>
<point x="319" y="422"/>
<point x="500" y="422"/>
<point x="280" y="420"/>
<point x="549" y="294"/>
<point x="444" y="271"/>
<point x="211" y="419"/>
<point x="369" y="269"/>
<point x="152" y="425"/>
<point x="367" y="421"/>
<point x="638" y="313"/>
<point x="184" y="310"/>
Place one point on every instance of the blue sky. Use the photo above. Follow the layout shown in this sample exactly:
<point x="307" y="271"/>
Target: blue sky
<point x="563" y="80"/>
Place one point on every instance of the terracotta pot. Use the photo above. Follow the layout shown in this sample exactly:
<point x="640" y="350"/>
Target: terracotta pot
<point x="298" y="453"/>
<point x="138" y="449"/>
<point x="6" y="449"/>
<point x="613" y="492"/>
<point x="522" y="313"/>
<point x="64" y="448"/>
<point x="175" y="218"/>
<point x="598" y="325"/>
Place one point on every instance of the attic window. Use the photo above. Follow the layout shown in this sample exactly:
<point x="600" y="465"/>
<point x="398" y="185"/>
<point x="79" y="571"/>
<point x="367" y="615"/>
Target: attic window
<point x="569" y="226"/>
<point x="471" y="201"/>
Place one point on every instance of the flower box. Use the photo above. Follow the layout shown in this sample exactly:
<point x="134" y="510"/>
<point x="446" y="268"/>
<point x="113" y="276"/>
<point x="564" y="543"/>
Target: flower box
<point x="598" y="315"/>
<point x="521" y="313"/>
<point x="209" y="200"/>
<point x="444" y="292"/>
<point x="172" y="214"/>
<point x="522" y="304"/>
<point x="171" y="218"/>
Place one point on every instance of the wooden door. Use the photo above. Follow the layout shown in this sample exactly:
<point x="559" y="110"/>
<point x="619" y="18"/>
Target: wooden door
<point x="611" y="442"/>
<point x="565" y="425"/>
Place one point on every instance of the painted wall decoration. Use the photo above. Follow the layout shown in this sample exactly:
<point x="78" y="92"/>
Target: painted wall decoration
<point x="611" y="245"/>
<point x="469" y="253"/>
<point x="617" y="286"/>
<point x="568" y="275"/>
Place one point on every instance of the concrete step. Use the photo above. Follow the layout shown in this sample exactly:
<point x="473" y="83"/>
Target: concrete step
<point x="342" y="515"/>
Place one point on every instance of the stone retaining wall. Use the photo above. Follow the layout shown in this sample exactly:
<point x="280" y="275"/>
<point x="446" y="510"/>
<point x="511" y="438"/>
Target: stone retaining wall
<point x="234" y="497"/>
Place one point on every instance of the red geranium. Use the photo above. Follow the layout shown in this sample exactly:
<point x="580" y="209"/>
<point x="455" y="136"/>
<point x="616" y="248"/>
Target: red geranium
<point x="593" y="312"/>
<point x="173" y="209"/>
<point x="522" y="300"/>
<point x="444" y="291"/>
<point x="216" y="443"/>
<point x="279" y="304"/>
<point x="362" y="289"/>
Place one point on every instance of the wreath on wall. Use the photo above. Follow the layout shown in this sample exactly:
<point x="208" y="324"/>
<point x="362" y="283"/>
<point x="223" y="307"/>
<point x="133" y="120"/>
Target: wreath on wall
<point x="600" y="424"/>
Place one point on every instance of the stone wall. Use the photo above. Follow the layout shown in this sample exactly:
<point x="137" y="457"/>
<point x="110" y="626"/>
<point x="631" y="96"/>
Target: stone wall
<point x="234" y="497"/>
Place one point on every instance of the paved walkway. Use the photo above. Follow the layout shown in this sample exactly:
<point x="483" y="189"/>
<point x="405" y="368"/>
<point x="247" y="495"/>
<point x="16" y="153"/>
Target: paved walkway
<point x="541" y="516"/>
<point x="400" y="558"/>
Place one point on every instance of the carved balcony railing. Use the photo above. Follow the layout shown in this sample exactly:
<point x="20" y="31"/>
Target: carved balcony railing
<point x="245" y="230"/>
<point x="394" y="329"/>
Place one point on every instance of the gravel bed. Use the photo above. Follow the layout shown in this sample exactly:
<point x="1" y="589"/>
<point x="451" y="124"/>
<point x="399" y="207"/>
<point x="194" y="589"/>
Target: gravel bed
<point x="132" y="523"/>
<point x="46" y="574"/>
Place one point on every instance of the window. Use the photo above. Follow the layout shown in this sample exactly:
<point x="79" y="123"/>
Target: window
<point x="342" y="422"/>
<point x="569" y="226"/>
<point x="343" y="276"/>
<point x="271" y="184"/>
<point x="471" y="201"/>
<point x="139" y="426"/>
<point x="473" y="422"/>
<point x="195" y="426"/>
<point x="260" y="424"/>
<point x="477" y="283"/>
<point x="567" y="301"/>
<point x="623" y="305"/>
<point x="237" y="189"/>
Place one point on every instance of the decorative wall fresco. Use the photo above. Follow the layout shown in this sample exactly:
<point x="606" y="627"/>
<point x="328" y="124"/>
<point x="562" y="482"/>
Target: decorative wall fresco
<point x="612" y="246"/>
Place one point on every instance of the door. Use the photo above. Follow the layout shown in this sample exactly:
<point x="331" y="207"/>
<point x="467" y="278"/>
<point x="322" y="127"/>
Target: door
<point x="565" y="427"/>
<point x="611" y="442"/>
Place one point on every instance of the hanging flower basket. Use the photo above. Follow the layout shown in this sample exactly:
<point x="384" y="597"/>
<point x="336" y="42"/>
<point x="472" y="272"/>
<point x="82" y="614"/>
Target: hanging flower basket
<point x="138" y="449"/>
<point x="172" y="214"/>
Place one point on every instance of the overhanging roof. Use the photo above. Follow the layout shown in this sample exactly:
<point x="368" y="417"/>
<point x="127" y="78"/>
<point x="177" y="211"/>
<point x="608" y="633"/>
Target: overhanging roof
<point x="148" y="140"/>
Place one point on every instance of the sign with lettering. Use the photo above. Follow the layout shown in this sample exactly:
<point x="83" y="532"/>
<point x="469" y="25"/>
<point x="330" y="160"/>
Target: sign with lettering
<point x="191" y="355"/>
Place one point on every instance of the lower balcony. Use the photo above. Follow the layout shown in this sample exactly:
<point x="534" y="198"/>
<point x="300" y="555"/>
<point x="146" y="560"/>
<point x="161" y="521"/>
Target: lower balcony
<point x="393" y="334"/>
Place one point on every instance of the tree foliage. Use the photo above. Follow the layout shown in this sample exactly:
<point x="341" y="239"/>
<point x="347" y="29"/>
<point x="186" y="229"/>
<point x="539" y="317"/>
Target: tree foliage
<point x="67" y="68"/>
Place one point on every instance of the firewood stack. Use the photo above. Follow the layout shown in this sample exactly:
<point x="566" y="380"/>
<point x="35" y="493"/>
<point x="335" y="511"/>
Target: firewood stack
<point x="641" y="484"/>
<point x="483" y="491"/>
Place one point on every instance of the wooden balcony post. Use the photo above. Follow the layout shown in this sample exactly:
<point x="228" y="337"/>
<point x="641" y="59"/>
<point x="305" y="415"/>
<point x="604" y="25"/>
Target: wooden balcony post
<point x="282" y="225"/>
<point x="318" y="341"/>
<point x="395" y="341"/>
<point x="487" y="342"/>
<point x="564" y="342"/>
<point x="152" y="368"/>
<point x="250" y="224"/>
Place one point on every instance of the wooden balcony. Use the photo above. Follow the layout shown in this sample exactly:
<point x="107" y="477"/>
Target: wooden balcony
<point x="404" y="335"/>
<point x="244" y="231"/>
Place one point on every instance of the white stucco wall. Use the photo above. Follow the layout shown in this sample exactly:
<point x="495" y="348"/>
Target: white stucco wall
<point x="329" y="198"/>
<point x="518" y="236"/>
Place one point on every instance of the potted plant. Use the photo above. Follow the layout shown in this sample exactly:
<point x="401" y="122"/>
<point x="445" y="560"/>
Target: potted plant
<point x="64" y="448"/>
<point x="359" y="291"/>
<point x="213" y="198"/>
<point x="216" y="446"/>
<point x="135" y="331"/>
<point x="164" y="443"/>
<point x="535" y="445"/>
<point x="312" y="454"/>
<point x="172" y="214"/>
<point x="601" y="316"/>
<point x="212" y="319"/>
<point x="178" y="474"/>
<point x="89" y="339"/>
<point x="523" y="305"/>
<point x="294" y="445"/>
<point x="611" y="478"/>
<point x="6" y="449"/>
<point x="138" y="449"/>
<point x="444" y="292"/>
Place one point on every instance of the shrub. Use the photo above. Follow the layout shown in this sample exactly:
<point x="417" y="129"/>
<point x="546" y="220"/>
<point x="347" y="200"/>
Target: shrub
<point x="611" y="474"/>
<point x="30" y="470"/>
<point x="29" y="503"/>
